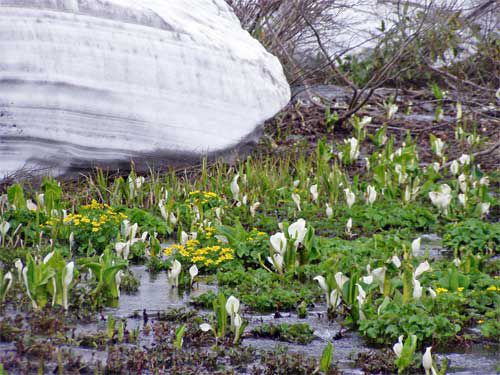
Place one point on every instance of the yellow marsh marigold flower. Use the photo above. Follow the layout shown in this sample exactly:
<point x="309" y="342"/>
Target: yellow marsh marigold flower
<point x="492" y="288"/>
<point x="441" y="290"/>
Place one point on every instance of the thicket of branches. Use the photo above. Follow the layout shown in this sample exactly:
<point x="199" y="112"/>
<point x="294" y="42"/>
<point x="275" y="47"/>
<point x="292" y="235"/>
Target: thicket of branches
<point x="452" y="42"/>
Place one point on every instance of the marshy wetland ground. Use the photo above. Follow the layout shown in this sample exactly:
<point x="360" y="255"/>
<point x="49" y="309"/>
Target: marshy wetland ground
<point x="353" y="257"/>
<point x="361" y="236"/>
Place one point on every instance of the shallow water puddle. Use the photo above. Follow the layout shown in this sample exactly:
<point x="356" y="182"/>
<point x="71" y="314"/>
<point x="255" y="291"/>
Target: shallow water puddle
<point x="431" y="245"/>
<point x="154" y="294"/>
<point x="346" y="346"/>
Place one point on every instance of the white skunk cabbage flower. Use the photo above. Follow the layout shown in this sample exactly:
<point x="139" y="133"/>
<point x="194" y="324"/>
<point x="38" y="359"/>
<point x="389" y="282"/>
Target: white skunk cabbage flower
<point x="391" y="111"/>
<point x="329" y="211"/>
<point x="71" y="241"/>
<point x="232" y="305"/>
<point x="120" y="249"/>
<point x="398" y="347"/>
<point x="253" y="208"/>
<point x="484" y="181"/>
<point x="441" y="198"/>
<point x="422" y="267"/>
<point x="367" y="162"/>
<point x="427" y="362"/>
<point x="174" y="272"/>
<point x="361" y="295"/>
<point x="193" y="272"/>
<point x="454" y="167"/>
<point x="47" y="257"/>
<point x="464" y="159"/>
<point x="322" y="284"/>
<point x="135" y="184"/>
<point x="172" y="219"/>
<point x="232" y="308"/>
<point x="348" y="226"/>
<point x="7" y="281"/>
<point x="438" y="147"/>
<point x="379" y="277"/>
<point x="462" y="198"/>
<point x="4" y="228"/>
<point x="161" y="206"/>
<point x="370" y="195"/>
<point x="297" y="232"/>
<point x="365" y="121"/>
<point x="30" y="205"/>
<point x="417" y="289"/>
<point x="396" y="261"/>
<point x="432" y="293"/>
<point x="238" y="322"/>
<point x="335" y="299"/>
<point x="26" y="284"/>
<point x="278" y="242"/>
<point x="19" y="266"/>
<point x="296" y="200"/>
<point x="277" y="261"/>
<point x="462" y="182"/>
<point x="67" y="279"/>
<point x="340" y="280"/>
<point x="118" y="281"/>
<point x="353" y="148"/>
<point x="205" y="327"/>
<point x="314" y="192"/>
<point x="350" y="197"/>
<point x="484" y="208"/>
<point x="184" y="238"/>
<point x="125" y="228"/>
<point x="415" y="246"/>
<point x="235" y="188"/>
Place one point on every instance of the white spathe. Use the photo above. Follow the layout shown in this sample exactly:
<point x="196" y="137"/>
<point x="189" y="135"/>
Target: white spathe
<point x="107" y="81"/>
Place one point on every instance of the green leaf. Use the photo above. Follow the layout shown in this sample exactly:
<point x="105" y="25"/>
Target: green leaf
<point x="326" y="358"/>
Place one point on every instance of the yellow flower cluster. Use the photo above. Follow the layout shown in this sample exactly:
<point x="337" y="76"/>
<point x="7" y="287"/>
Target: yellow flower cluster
<point x="203" y="197"/>
<point x="209" y="232"/>
<point x="206" y="194"/>
<point x="255" y="234"/>
<point x="94" y="219"/>
<point x="94" y="205"/>
<point x="493" y="288"/>
<point x="52" y="222"/>
<point x="441" y="290"/>
<point x="207" y="256"/>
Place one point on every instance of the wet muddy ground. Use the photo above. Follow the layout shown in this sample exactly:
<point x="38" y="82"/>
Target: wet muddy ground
<point x="156" y="301"/>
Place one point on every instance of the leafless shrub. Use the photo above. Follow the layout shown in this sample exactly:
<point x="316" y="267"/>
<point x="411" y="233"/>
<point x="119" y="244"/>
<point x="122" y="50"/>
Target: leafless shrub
<point x="283" y="27"/>
<point x="416" y="42"/>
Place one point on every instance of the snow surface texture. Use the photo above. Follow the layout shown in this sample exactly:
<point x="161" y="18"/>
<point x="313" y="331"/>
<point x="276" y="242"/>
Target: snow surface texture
<point x="102" y="82"/>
